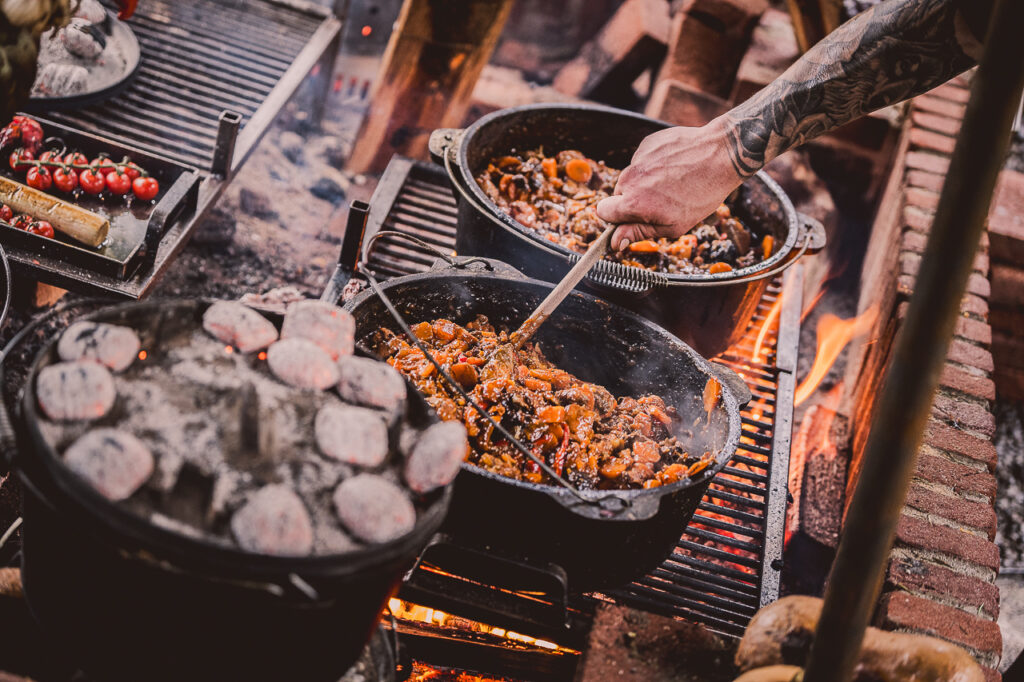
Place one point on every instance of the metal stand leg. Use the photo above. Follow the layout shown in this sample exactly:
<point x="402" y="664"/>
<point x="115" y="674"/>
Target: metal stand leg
<point x="326" y="66"/>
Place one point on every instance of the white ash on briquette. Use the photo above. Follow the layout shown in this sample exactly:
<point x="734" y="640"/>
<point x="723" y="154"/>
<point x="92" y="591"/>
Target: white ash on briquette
<point x="237" y="456"/>
<point x="75" y="390"/>
<point x="371" y="383"/>
<point x="436" y="456"/>
<point x="326" y="325"/>
<point x="240" y="326"/>
<point x="302" y="363"/>
<point x="108" y="344"/>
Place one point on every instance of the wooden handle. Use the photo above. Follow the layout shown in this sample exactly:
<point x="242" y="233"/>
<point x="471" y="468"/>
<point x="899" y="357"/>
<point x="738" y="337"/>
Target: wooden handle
<point x="74" y="221"/>
<point x="568" y="283"/>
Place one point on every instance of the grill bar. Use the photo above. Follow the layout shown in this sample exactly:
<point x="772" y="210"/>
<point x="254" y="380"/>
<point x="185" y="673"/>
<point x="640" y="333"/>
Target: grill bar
<point x="725" y="565"/>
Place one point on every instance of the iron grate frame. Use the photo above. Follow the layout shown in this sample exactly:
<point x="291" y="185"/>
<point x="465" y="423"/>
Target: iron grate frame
<point x="745" y="507"/>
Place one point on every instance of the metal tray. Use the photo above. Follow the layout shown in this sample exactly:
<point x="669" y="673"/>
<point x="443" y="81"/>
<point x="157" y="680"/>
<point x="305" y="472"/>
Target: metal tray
<point x="135" y="228"/>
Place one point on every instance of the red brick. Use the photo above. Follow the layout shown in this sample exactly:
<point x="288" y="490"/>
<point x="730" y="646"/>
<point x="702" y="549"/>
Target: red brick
<point x="1006" y="218"/>
<point x="952" y="93"/>
<point x="910" y="263"/>
<point x="914" y="241"/>
<point x="902" y="610"/>
<point x="979" y="285"/>
<point x="977" y="331"/>
<point x="1007" y="321"/>
<point x="959" y="380"/>
<point x="991" y="675"/>
<point x="922" y="198"/>
<point x="915" y="575"/>
<point x="974" y="305"/>
<point x="1007" y="286"/>
<point x="630" y="42"/>
<point x="981" y="262"/>
<point x="933" y="163"/>
<point x="964" y="414"/>
<point x="971" y="355"/>
<point x="937" y="123"/>
<point x="926" y="139"/>
<point x="945" y="437"/>
<point x="1009" y="349"/>
<point x="681" y="104"/>
<point x="905" y="284"/>
<point x="939" y="105"/>
<point x="919" y="533"/>
<point x="917" y="219"/>
<point x="959" y="477"/>
<point x="925" y="180"/>
<point x="978" y="515"/>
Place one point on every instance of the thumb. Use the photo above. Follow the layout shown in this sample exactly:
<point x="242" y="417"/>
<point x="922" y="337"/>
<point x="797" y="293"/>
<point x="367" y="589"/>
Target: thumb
<point x="625" y="235"/>
<point x="613" y="209"/>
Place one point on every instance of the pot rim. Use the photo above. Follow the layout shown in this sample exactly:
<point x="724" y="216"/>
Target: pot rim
<point x="468" y="182"/>
<point x="46" y="477"/>
<point x="729" y="399"/>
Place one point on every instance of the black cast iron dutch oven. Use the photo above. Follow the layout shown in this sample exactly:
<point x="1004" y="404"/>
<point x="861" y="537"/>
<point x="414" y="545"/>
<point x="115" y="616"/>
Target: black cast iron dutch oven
<point x="127" y="600"/>
<point x="596" y="544"/>
<point x="708" y="311"/>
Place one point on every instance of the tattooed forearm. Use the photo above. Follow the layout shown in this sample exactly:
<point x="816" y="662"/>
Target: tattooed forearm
<point x="894" y="51"/>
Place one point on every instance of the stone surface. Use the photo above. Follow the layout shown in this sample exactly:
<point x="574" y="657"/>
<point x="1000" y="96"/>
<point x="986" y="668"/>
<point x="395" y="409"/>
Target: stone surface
<point x="113" y="462"/>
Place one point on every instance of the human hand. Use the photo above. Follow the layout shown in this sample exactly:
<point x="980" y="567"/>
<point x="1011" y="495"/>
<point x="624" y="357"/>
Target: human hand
<point x="678" y="177"/>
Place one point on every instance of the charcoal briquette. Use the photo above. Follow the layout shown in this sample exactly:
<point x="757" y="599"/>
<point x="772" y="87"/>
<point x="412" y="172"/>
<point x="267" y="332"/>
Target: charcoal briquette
<point x="108" y="344"/>
<point x="302" y="363"/>
<point x="354" y="435"/>
<point x="70" y="391"/>
<point x="239" y="326"/>
<point x="435" y="459"/>
<point x="365" y="381"/>
<point x="273" y="521"/>
<point x="372" y="509"/>
<point x="113" y="462"/>
<point x="328" y="326"/>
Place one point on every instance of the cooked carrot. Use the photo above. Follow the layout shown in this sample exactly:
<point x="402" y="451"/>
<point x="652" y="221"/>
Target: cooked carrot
<point x="719" y="267"/>
<point x="506" y="161"/>
<point x="551" y="414"/>
<point x="550" y="167"/>
<point x="768" y="245"/>
<point x="712" y="391"/>
<point x="579" y="170"/>
<point x="644" y="246"/>
<point x="698" y="467"/>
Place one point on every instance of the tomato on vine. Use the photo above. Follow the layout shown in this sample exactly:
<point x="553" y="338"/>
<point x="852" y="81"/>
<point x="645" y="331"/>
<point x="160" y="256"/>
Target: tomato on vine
<point x="91" y="181"/>
<point x="41" y="227"/>
<point x="118" y="181"/>
<point x="145" y="188"/>
<point x="65" y="179"/>
<point x="20" y="159"/>
<point x="6" y="214"/>
<point x="39" y="177"/>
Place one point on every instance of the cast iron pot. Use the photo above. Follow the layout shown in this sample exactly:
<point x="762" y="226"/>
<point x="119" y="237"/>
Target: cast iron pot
<point x="598" y="342"/>
<point x="710" y="312"/>
<point x="127" y="600"/>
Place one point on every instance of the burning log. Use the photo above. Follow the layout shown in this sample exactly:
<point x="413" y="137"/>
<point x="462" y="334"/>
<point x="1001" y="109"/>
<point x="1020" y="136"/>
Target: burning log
<point x="431" y="65"/>
<point x="10" y="584"/>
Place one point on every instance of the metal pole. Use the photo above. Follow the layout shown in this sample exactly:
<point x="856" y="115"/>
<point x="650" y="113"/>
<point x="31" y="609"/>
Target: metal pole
<point x="905" y="398"/>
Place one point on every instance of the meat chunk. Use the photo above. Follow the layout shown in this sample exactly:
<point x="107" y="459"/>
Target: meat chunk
<point x="303" y="364"/>
<point x="75" y="390"/>
<point x="108" y="344"/>
<point x="365" y="381"/>
<point x="373" y="509"/>
<point x="273" y="521"/>
<point x="326" y="325"/>
<point x="353" y="435"/>
<point x="242" y="327"/>
<point x="436" y="457"/>
<point x="113" y="462"/>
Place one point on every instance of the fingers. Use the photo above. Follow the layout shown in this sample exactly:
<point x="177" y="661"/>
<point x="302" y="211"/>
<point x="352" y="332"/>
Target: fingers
<point x="614" y="209"/>
<point x="625" y="235"/>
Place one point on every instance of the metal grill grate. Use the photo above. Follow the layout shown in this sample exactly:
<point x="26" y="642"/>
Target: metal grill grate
<point x="200" y="58"/>
<point x="727" y="564"/>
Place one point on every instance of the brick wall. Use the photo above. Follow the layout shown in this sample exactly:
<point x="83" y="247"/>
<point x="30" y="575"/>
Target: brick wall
<point x="941" y="579"/>
<point x="1006" y="229"/>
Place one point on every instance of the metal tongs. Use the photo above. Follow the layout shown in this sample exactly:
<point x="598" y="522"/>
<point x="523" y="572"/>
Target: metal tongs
<point x="558" y="294"/>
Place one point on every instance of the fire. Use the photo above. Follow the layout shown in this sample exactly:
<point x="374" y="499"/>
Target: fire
<point x="833" y="335"/>
<point x="407" y="611"/>
<point x="773" y="315"/>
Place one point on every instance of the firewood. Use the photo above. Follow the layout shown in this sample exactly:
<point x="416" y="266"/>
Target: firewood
<point x="76" y="222"/>
<point x="773" y="673"/>
<point x="10" y="583"/>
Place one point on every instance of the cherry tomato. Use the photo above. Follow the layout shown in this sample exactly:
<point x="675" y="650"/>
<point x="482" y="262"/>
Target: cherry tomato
<point x="66" y="179"/>
<point x="6" y="214"/>
<point x="41" y="227"/>
<point x="103" y="165"/>
<point x="21" y="221"/>
<point x="39" y="177"/>
<point x="91" y="181"/>
<point x="118" y="182"/>
<point x="131" y="170"/>
<point x="31" y="132"/>
<point x="19" y="157"/>
<point x="146" y="188"/>
<point x="76" y="159"/>
<point x="51" y="156"/>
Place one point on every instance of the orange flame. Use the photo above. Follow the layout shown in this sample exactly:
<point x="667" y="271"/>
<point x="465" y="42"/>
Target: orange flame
<point x="773" y="315"/>
<point x="833" y="335"/>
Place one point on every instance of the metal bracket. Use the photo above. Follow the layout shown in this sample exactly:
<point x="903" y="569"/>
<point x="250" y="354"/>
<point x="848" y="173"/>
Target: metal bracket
<point x="229" y="124"/>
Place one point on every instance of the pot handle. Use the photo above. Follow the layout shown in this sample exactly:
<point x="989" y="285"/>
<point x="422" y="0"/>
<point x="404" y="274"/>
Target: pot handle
<point x="442" y="141"/>
<point x="812" y="232"/>
<point x="737" y="386"/>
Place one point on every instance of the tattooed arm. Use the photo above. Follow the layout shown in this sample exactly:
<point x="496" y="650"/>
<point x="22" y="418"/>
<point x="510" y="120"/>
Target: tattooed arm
<point x="890" y="53"/>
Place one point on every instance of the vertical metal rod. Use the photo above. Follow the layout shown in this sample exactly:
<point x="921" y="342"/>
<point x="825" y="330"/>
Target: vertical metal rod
<point x="327" y="64"/>
<point x="905" y="398"/>
<point x="224" y="147"/>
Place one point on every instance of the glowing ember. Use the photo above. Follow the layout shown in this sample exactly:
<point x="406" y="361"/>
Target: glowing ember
<point x="143" y="355"/>
<point x="833" y="335"/>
